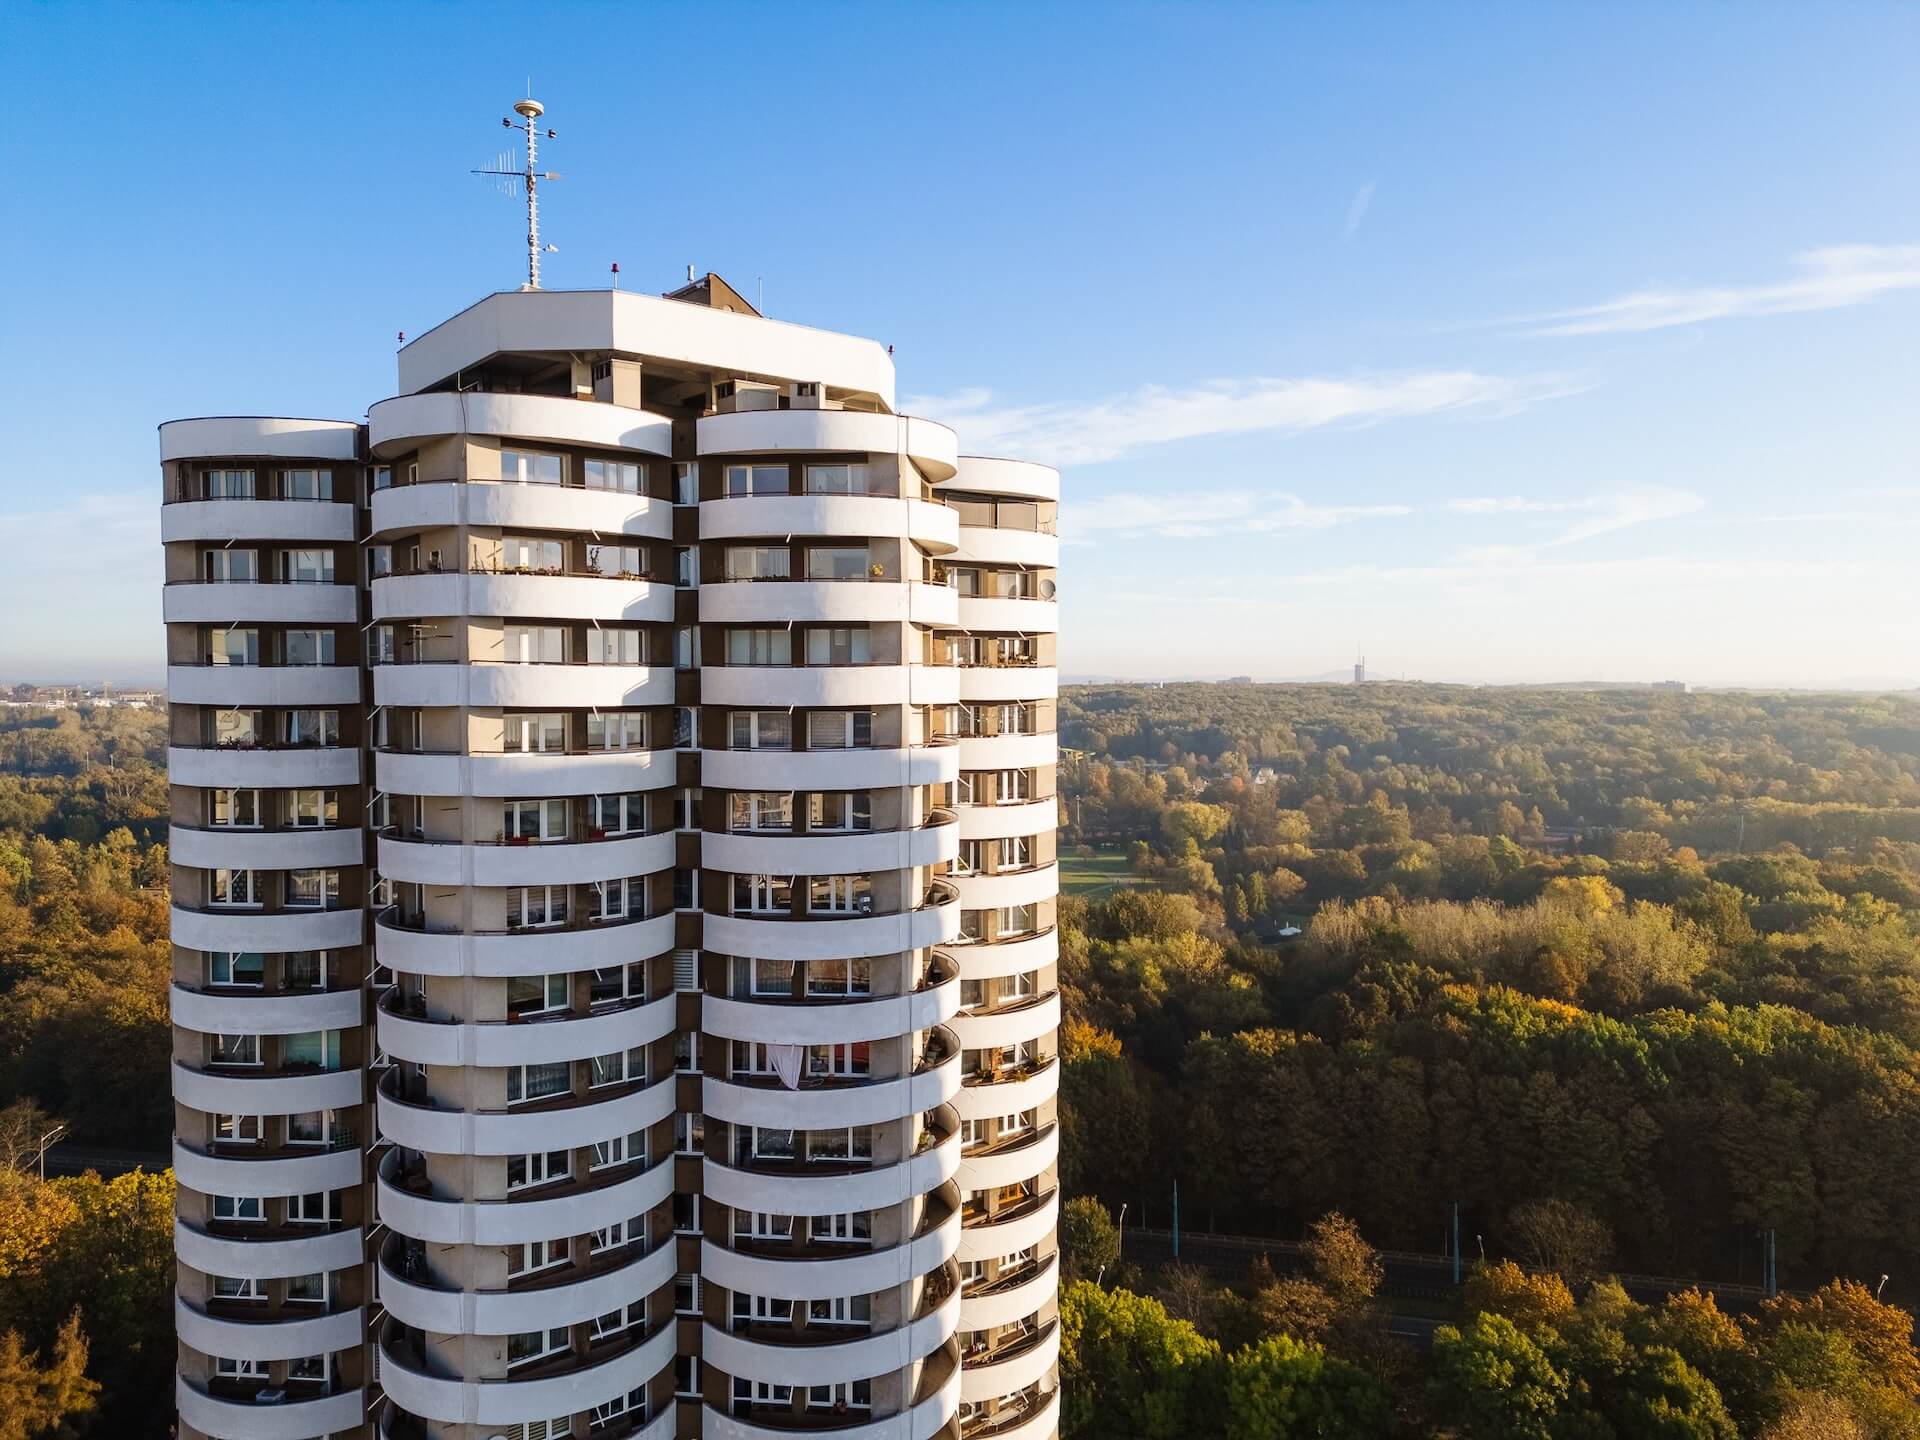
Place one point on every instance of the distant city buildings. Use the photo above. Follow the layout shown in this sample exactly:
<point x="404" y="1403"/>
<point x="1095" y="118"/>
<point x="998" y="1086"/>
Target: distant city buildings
<point x="64" y="697"/>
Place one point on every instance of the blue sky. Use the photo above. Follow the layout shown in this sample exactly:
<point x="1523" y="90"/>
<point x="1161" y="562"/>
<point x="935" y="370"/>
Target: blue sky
<point x="1530" y="343"/>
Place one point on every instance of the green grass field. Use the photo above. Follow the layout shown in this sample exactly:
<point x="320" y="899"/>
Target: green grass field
<point x="1092" y="876"/>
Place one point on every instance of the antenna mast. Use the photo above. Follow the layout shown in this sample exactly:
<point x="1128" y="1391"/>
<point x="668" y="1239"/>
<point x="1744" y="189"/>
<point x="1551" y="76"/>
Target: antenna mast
<point x="529" y="111"/>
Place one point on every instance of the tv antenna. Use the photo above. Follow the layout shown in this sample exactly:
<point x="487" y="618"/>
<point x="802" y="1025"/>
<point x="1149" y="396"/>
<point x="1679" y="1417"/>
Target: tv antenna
<point x="527" y="179"/>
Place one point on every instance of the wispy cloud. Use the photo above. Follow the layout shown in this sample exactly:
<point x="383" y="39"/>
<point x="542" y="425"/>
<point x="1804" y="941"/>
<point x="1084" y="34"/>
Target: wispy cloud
<point x="1357" y="211"/>
<point x="1189" y="515"/>
<point x="1587" y="517"/>
<point x="1830" y="278"/>
<point x="1065" y="433"/>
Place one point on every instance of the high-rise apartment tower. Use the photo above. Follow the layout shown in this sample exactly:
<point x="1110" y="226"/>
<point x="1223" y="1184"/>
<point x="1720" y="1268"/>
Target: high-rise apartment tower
<point x="613" y="800"/>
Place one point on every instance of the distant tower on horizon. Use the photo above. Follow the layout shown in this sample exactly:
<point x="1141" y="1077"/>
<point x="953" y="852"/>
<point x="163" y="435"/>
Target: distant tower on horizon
<point x="1360" y="671"/>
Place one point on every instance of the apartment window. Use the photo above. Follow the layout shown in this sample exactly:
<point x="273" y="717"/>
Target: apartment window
<point x="313" y="1127"/>
<point x="235" y="887"/>
<point x="840" y="977"/>
<point x="236" y="1129"/>
<point x="686" y="647"/>
<point x="837" y="480"/>
<point x="539" y="1168"/>
<point x="686" y="889"/>
<point x="618" y="984"/>
<point x="308" y="1289"/>
<point x="840" y="810"/>
<point x="855" y="1143"/>
<point x="836" y="562"/>
<point x="839" y="729"/>
<point x="760" y="810"/>
<point x="382" y="647"/>
<point x="759" y="1225"/>
<point x="839" y="645"/>
<point x="309" y="647"/>
<point x="972" y="857"/>
<point x="535" y="1255"/>
<point x="306" y="484"/>
<point x="686" y="1368"/>
<point x="617" y="730"/>
<point x="527" y="1083"/>
<point x="308" y="1369"/>
<point x="619" y="899"/>
<point x="617" y="814"/>
<point x="311" y="1049"/>
<point x="620" y="1067"/>
<point x="313" y="727"/>
<point x="1017" y="919"/>
<point x="761" y="730"/>
<point x="307" y="567"/>
<point x="612" y="475"/>
<point x="231" y="567"/>
<point x="383" y="477"/>
<point x="237" y="727"/>
<point x="239" y="808"/>
<point x="686" y="1052"/>
<point x="535" y="907"/>
<point x="230" y="485"/>
<point x="529" y="995"/>
<point x="762" y="894"/>
<point x="632" y="1316"/>
<point x="756" y="480"/>
<point x="233" y="647"/>
<point x="684" y="736"/>
<point x="228" y="1368"/>
<point x="313" y="889"/>
<point x="238" y="1209"/>
<point x="686" y="568"/>
<point x="686" y="483"/>
<point x="1012" y="787"/>
<point x="528" y="467"/>
<point x="624" y="560"/>
<point x="820" y="1062"/>
<point x="535" y="645"/>
<point x="853" y="1228"/>
<point x="544" y="733"/>
<point x="1016" y="852"/>
<point x="520" y="552"/>
<point x="621" y="1150"/>
<point x="320" y="1207"/>
<point x="315" y="809"/>
<point x="533" y="820"/>
<point x="616" y="645"/>
<point x="531" y="1345"/>
<point x="689" y="1133"/>
<point x="760" y="647"/>
<point x="759" y="562"/>
<point x="840" y="894"/>
<point x="236" y="968"/>
<point x="686" y="1213"/>
<point x="770" y="977"/>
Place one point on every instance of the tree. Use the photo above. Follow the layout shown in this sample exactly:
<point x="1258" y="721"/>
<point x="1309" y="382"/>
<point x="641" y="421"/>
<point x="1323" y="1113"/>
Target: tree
<point x="36" y="1401"/>
<point x="1089" y="1240"/>
<point x="1814" y="1415"/>
<point x="1665" y="1398"/>
<point x="1881" y="1334"/>
<point x="1128" y="1368"/>
<point x="1287" y="1387"/>
<point x="1346" y="1266"/>
<point x="1560" y="1236"/>
<point x="1504" y="1289"/>
<point x="1496" y="1381"/>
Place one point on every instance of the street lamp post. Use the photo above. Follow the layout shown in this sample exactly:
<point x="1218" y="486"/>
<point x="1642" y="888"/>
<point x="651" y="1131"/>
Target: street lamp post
<point x="46" y="1140"/>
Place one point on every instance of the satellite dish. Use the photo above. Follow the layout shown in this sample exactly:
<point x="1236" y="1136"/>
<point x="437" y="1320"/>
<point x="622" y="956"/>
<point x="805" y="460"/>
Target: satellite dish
<point x="1046" y="589"/>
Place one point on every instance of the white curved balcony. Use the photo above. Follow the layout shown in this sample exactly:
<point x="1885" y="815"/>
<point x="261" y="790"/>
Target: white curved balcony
<point x="1016" y="479"/>
<point x="830" y="1022"/>
<point x="267" y="1259"/>
<point x="269" y="768"/>
<point x="217" y="521"/>
<point x="748" y="853"/>
<point x="517" y="1132"/>
<point x="822" y="1107"/>
<point x="242" y="1092"/>
<point x="1003" y="615"/>
<point x="833" y="686"/>
<point x="266" y="1339"/>
<point x="189" y="602"/>
<point x="510" y="505"/>
<point x="996" y="822"/>
<point x="447" y="1221"/>
<point x="1008" y="957"/>
<point x="452" y="1400"/>
<point x="218" y="437"/>
<point x="1008" y="752"/>
<point x="502" y="954"/>
<point x="293" y="1419"/>
<point x="832" y="939"/>
<point x="830" y="1190"/>
<point x="1006" y="1303"/>
<point x="988" y="1240"/>
<point x="933" y="764"/>
<point x="558" y="1301"/>
<point x="550" y="862"/>
<point x="830" y="1362"/>
<point x="264" y="1175"/>
<point x="982" y="1099"/>
<point x="514" y="776"/>
<point x="243" y="1012"/>
<point x="988" y="1029"/>
<point x="1011" y="1369"/>
<point x="837" y="602"/>
<point x="932" y="446"/>
<point x="988" y="545"/>
<point x="932" y="526"/>
<point x="925" y="1419"/>
<point x="259" y="930"/>
<point x="981" y="891"/>
<point x="488" y="685"/>
<point x="1011" y="1164"/>
<point x="612" y="598"/>
<point x="227" y="847"/>
<point x="823" y="1276"/>
<point x="398" y="425"/>
<point x="523" y="1042"/>
<point x="250" y="685"/>
<point x="1009" y="682"/>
